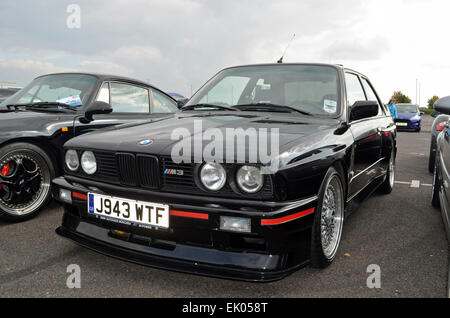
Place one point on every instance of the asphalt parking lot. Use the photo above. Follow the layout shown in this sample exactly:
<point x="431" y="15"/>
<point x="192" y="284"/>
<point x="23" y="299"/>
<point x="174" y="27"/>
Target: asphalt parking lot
<point x="401" y="232"/>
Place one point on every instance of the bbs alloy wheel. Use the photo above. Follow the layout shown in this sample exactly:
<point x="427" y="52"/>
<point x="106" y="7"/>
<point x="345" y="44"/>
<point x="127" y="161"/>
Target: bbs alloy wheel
<point x="25" y="177"/>
<point x="328" y="221"/>
<point x="332" y="217"/>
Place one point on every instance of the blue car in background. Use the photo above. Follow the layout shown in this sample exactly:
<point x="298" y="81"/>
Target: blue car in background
<point x="408" y="117"/>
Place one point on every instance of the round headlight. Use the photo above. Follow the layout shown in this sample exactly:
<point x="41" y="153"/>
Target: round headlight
<point x="213" y="176"/>
<point x="72" y="161"/>
<point x="250" y="179"/>
<point x="88" y="162"/>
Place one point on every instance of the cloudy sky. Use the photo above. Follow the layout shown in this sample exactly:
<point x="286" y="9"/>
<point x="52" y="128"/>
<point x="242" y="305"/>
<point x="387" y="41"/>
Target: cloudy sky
<point x="179" y="44"/>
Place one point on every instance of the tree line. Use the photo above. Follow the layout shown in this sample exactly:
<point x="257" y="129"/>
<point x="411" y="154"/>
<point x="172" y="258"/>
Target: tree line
<point x="399" y="98"/>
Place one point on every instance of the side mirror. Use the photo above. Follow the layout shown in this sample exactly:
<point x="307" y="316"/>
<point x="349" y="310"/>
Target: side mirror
<point x="443" y="105"/>
<point x="182" y="102"/>
<point x="435" y="114"/>
<point x="95" y="108"/>
<point x="422" y="113"/>
<point x="363" y="109"/>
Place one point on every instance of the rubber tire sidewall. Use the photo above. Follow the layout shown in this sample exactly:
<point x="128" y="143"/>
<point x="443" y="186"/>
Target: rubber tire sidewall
<point x="40" y="152"/>
<point x="435" y="200"/>
<point x="432" y="157"/>
<point x="386" y="186"/>
<point x="318" y="259"/>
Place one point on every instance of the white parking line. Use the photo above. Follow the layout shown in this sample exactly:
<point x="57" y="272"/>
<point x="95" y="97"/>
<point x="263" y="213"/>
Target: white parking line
<point x="417" y="154"/>
<point x="402" y="182"/>
<point x="415" y="184"/>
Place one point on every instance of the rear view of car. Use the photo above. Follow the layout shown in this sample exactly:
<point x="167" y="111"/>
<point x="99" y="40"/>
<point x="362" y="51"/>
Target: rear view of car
<point x="408" y="117"/>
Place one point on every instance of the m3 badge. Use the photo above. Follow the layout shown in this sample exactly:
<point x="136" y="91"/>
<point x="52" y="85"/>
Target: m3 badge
<point x="174" y="172"/>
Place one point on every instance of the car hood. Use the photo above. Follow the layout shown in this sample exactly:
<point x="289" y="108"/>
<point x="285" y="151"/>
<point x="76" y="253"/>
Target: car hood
<point x="406" y="115"/>
<point x="158" y="137"/>
<point x="12" y="122"/>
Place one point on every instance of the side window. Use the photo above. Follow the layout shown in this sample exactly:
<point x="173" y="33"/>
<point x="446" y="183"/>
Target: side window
<point x="162" y="104"/>
<point x="103" y="94"/>
<point x="354" y="89"/>
<point x="371" y="94"/>
<point x="126" y="98"/>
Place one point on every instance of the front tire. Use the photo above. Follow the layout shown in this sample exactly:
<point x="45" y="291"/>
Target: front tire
<point x="26" y="172"/>
<point x="328" y="220"/>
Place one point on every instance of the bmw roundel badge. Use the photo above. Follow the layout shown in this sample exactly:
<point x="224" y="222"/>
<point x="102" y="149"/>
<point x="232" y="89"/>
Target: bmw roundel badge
<point x="145" y="142"/>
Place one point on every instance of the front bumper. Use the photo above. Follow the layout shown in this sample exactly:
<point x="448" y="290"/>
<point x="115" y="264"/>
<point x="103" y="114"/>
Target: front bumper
<point x="410" y="124"/>
<point x="278" y="244"/>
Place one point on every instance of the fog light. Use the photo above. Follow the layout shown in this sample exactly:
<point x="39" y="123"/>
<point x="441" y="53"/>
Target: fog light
<point x="235" y="224"/>
<point x="65" y="195"/>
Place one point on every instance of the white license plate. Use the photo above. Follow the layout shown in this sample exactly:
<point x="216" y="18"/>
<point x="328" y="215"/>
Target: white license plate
<point x="129" y="212"/>
<point x="402" y="124"/>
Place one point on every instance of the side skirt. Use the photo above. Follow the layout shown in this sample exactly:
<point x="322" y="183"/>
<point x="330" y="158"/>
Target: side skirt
<point x="354" y="203"/>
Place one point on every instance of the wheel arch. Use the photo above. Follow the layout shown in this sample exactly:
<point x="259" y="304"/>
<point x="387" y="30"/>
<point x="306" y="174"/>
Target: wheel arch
<point x="342" y="168"/>
<point x="42" y="144"/>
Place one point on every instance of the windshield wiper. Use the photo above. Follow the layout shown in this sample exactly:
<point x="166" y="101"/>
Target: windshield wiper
<point x="43" y="106"/>
<point x="218" y="107"/>
<point x="270" y="107"/>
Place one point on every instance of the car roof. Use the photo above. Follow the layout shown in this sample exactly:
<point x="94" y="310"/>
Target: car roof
<point x="107" y="77"/>
<point x="336" y="66"/>
<point x="406" y="104"/>
<point x="284" y="64"/>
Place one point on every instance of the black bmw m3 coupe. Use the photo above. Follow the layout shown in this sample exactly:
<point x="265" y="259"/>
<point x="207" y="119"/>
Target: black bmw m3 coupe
<point x="253" y="179"/>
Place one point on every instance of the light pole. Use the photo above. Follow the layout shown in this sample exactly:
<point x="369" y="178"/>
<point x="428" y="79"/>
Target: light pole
<point x="420" y="87"/>
<point x="417" y="84"/>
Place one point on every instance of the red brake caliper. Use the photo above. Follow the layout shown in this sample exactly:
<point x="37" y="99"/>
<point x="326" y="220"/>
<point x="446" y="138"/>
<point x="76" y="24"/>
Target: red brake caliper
<point x="5" y="171"/>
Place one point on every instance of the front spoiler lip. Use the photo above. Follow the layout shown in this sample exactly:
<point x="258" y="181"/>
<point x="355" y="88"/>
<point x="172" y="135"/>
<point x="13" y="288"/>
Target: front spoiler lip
<point x="269" y="209"/>
<point x="160" y="262"/>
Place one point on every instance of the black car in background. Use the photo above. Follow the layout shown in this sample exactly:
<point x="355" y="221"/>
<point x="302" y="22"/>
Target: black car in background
<point x="127" y="194"/>
<point x="7" y="92"/>
<point x="39" y="119"/>
<point x="441" y="181"/>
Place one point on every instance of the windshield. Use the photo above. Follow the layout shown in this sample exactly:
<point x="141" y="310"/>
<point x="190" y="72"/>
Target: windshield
<point x="71" y="89"/>
<point x="407" y="109"/>
<point x="307" y="88"/>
